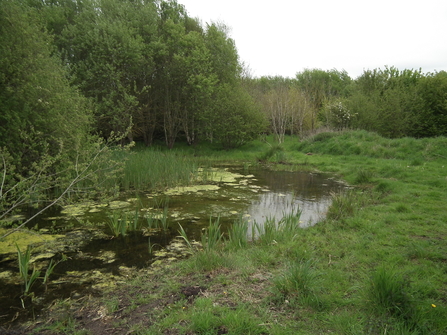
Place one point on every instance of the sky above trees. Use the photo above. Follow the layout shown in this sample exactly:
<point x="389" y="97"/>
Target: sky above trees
<point x="284" y="37"/>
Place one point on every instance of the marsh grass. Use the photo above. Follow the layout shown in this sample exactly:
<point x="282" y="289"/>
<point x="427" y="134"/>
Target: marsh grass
<point x="185" y="237"/>
<point x="164" y="220"/>
<point x="274" y="231"/>
<point x="364" y="176"/>
<point x="154" y="168"/>
<point x="274" y="153"/>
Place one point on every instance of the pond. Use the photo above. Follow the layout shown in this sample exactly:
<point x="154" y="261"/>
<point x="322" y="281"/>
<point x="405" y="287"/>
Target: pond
<point x="98" y="258"/>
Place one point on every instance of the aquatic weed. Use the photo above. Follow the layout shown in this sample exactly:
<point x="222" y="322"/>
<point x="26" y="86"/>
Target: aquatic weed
<point x="24" y="263"/>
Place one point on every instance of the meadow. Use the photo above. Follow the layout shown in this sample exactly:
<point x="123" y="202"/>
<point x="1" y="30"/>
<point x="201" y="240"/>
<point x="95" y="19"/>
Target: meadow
<point x="376" y="265"/>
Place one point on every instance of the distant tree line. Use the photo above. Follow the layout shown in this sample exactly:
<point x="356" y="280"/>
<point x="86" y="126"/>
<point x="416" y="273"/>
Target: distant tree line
<point x="388" y="101"/>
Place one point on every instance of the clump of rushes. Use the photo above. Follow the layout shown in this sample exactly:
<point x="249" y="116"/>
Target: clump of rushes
<point x="184" y="236"/>
<point x="212" y="239"/>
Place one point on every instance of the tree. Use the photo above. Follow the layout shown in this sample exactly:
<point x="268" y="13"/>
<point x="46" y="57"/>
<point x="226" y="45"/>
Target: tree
<point x="385" y="101"/>
<point x="36" y="99"/>
<point x="106" y="54"/>
<point x="431" y="108"/>
<point x="320" y="86"/>
<point x="235" y="118"/>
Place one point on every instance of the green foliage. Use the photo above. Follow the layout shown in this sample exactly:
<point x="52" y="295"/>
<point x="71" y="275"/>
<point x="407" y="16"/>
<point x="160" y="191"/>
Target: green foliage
<point x="41" y="112"/>
<point x="431" y="118"/>
<point x="235" y="119"/>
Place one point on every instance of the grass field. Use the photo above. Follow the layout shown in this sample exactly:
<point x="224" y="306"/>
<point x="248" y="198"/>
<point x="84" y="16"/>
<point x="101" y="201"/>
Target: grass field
<point x="376" y="265"/>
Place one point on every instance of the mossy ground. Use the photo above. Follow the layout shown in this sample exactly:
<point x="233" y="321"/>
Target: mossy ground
<point x="376" y="265"/>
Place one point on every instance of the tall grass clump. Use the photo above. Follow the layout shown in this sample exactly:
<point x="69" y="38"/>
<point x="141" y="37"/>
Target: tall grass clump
<point x="237" y="235"/>
<point x="298" y="284"/>
<point x="212" y="238"/>
<point x="264" y="233"/>
<point x="387" y="295"/>
<point x="274" y="153"/>
<point x="343" y="205"/>
<point x="273" y="231"/>
<point x="152" y="168"/>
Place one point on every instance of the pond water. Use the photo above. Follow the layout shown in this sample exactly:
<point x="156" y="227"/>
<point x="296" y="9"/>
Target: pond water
<point x="96" y="258"/>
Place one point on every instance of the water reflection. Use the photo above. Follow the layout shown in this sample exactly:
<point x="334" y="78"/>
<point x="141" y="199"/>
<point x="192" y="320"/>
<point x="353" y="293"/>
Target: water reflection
<point x="291" y="192"/>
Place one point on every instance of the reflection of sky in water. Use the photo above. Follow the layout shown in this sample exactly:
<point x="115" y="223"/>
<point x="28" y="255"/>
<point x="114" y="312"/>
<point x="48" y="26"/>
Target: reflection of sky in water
<point x="275" y="205"/>
<point x="290" y="192"/>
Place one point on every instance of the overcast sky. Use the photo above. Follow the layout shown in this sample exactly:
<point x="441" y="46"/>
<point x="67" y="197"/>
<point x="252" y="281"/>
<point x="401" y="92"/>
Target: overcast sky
<point x="283" y="37"/>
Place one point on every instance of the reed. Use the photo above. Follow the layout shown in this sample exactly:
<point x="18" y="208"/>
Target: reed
<point x="212" y="238"/>
<point x="153" y="168"/>
<point x="117" y="225"/>
<point x="237" y="235"/>
<point x="121" y="223"/>
<point x="151" y="221"/>
<point x="290" y="223"/>
<point x="24" y="263"/>
<point x="164" y="222"/>
<point x="135" y="224"/>
<point x="50" y="269"/>
<point x="184" y="236"/>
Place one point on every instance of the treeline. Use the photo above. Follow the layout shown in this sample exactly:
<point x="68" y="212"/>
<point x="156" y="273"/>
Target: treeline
<point x="388" y="101"/>
<point x="73" y="69"/>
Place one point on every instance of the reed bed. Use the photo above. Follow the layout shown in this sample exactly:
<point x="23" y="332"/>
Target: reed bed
<point x="152" y="168"/>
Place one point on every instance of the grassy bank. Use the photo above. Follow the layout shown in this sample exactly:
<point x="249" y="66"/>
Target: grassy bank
<point x="376" y="265"/>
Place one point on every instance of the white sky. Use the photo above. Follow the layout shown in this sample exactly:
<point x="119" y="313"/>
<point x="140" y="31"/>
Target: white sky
<point x="283" y="37"/>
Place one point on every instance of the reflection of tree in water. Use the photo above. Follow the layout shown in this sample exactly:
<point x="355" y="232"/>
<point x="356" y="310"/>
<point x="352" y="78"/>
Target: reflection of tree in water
<point x="306" y="185"/>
